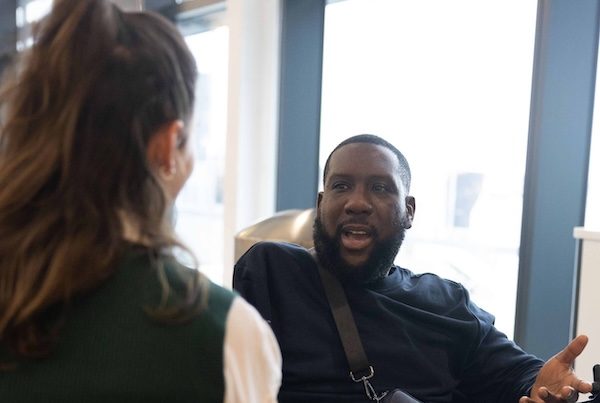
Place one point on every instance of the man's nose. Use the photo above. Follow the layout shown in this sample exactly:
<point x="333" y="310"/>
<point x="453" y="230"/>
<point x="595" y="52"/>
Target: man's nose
<point x="359" y="202"/>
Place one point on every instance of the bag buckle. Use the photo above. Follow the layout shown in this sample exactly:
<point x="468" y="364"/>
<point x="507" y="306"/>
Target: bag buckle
<point x="369" y="390"/>
<point x="364" y="377"/>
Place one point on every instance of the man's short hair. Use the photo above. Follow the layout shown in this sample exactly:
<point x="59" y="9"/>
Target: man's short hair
<point x="404" y="168"/>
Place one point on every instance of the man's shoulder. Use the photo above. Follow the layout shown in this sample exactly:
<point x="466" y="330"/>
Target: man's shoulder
<point x="274" y="250"/>
<point x="432" y="279"/>
<point x="431" y="287"/>
<point x="277" y="258"/>
<point x="269" y="270"/>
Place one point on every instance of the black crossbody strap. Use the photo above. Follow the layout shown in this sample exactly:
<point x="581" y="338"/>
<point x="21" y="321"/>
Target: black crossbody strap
<point x="344" y="321"/>
<point x="360" y="369"/>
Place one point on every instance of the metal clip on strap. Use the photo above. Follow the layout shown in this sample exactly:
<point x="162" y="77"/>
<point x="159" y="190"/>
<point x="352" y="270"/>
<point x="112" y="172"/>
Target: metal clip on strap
<point x="362" y="378"/>
<point x="369" y="390"/>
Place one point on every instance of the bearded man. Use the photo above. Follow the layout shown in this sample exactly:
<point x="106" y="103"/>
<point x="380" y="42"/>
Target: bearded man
<point x="421" y="333"/>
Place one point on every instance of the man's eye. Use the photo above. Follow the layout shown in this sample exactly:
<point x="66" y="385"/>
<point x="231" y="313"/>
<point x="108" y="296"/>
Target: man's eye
<point x="379" y="187"/>
<point x="340" y="186"/>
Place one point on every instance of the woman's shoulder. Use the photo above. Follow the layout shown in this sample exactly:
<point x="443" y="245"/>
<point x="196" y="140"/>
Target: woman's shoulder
<point x="252" y="356"/>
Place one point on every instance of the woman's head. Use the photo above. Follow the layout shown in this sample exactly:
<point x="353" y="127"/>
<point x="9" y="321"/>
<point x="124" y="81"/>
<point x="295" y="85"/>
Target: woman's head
<point x="94" y="128"/>
<point x="100" y="83"/>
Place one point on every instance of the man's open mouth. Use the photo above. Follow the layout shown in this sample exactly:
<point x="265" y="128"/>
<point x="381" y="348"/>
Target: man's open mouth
<point x="356" y="237"/>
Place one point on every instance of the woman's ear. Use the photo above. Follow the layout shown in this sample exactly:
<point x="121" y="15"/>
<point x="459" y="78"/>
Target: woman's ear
<point x="162" y="147"/>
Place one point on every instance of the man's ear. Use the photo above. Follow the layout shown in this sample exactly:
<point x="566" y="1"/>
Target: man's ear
<point x="319" y="199"/>
<point x="163" y="145"/>
<point x="410" y="210"/>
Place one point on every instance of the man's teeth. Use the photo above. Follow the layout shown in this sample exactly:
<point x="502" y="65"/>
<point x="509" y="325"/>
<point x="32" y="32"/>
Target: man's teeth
<point x="357" y="232"/>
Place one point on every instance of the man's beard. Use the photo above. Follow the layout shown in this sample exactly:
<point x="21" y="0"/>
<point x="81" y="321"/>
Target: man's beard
<point x="378" y="263"/>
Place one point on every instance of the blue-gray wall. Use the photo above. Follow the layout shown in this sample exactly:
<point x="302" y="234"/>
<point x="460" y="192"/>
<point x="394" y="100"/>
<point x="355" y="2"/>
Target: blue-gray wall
<point x="8" y="30"/>
<point x="556" y="175"/>
<point x="300" y="103"/>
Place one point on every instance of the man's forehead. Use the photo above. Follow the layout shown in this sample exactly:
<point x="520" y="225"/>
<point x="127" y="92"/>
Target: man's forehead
<point x="364" y="156"/>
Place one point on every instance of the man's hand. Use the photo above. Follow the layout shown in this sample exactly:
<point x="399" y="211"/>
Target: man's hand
<point x="556" y="382"/>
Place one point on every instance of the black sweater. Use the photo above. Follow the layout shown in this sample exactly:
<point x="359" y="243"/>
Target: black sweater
<point x="421" y="333"/>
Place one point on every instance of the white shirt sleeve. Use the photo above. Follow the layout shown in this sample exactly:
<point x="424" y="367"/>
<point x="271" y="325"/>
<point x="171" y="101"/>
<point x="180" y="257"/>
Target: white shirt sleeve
<point x="252" y="359"/>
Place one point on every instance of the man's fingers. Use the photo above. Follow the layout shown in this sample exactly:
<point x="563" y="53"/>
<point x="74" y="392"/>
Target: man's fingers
<point x="583" y="387"/>
<point x="569" y="394"/>
<point x="575" y="347"/>
<point x="548" y="396"/>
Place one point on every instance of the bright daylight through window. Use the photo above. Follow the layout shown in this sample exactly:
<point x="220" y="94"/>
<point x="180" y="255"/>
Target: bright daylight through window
<point x="449" y="84"/>
<point x="199" y="208"/>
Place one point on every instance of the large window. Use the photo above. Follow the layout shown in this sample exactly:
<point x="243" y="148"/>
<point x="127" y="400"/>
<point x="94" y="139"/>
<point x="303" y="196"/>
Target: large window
<point x="592" y="207"/>
<point x="199" y="208"/>
<point x="449" y="84"/>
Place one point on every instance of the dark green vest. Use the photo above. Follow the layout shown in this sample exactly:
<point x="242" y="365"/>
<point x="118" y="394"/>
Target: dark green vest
<point x="111" y="351"/>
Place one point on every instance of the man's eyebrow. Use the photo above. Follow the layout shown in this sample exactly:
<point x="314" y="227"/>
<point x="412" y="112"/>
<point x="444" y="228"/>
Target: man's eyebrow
<point x="381" y="177"/>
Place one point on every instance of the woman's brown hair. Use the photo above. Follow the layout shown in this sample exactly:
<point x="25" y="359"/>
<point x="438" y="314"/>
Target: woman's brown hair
<point x="75" y="121"/>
